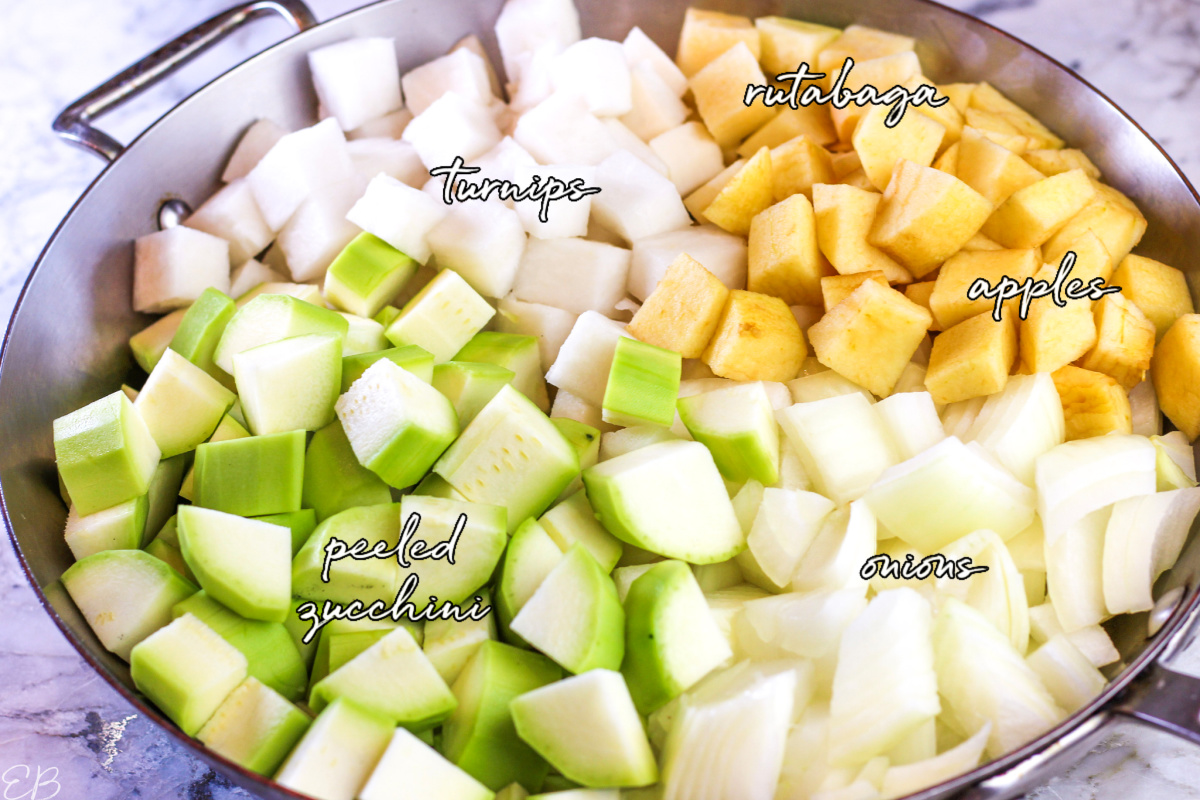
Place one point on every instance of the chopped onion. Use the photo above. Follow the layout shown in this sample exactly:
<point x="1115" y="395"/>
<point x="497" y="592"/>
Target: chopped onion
<point x="1143" y="405"/>
<point x="836" y="556"/>
<point x="910" y="778"/>
<point x="821" y="385"/>
<point x="1020" y="423"/>
<point x="1075" y="572"/>
<point x="1143" y="540"/>
<point x="1070" y="678"/>
<point x="1096" y="645"/>
<point x="912" y="421"/>
<point x="1028" y="548"/>
<point x="806" y="755"/>
<point x="785" y="526"/>
<point x="999" y="593"/>
<point x="957" y="418"/>
<point x="1175" y="461"/>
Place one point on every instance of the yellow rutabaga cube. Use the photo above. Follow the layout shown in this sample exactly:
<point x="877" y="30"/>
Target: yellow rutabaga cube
<point x="986" y="98"/>
<point x="1030" y="215"/>
<point x="786" y="43"/>
<point x="926" y="216"/>
<point x="719" y="89"/>
<point x="702" y="197"/>
<point x="783" y="257"/>
<point x="915" y="138"/>
<point x="993" y="171"/>
<point x="870" y="336"/>
<point x="797" y="165"/>
<point x="883" y="72"/>
<point x="1053" y="162"/>
<point x="706" y="35"/>
<point x="844" y="216"/>
<point x="1111" y="216"/>
<point x="999" y="129"/>
<point x="1053" y="336"/>
<point x="1124" y="341"/>
<point x="682" y="312"/>
<point x="947" y="162"/>
<point x="811" y="122"/>
<point x="757" y="339"/>
<point x="1159" y="291"/>
<point x="836" y="288"/>
<point x="972" y="359"/>
<point x="1175" y="370"/>
<point x="949" y="301"/>
<point x="746" y="194"/>
<point x="1093" y="403"/>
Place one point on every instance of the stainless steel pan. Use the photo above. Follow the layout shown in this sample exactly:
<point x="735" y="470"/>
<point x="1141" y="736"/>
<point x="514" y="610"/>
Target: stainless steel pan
<point x="66" y="343"/>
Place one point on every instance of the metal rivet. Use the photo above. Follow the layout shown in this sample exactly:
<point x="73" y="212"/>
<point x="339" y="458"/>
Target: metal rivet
<point x="172" y="212"/>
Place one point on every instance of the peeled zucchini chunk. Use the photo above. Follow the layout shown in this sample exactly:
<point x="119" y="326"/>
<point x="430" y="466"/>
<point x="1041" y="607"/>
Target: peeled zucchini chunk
<point x="737" y="425"/>
<point x="514" y="352"/>
<point x="469" y="385"/>
<point x="125" y="595"/>
<point x="181" y="404"/>
<point x="291" y="384"/>
<point x="118" y="528"/>
<point x="300" y="525"/>
<point x="422" y="771"/>
<point x="256" y="727"/>
<point x="366" y="275"/>
<point x="242" y="563"/>
<point x="450" y="643"/>
<point x="586" y="726"/>
<point x="253" y="476"/>
<point x="334" y="480"/>
<point x="573" y="520"/>
<point x="270" y="318"/>
<point x="397" y="424"/>
<point x="531" y="555"/>
<point x="475" y="535"/>
<point x="412" y="358"/>
<point x="643" y="384"/>
<point x="337" y="752"/>
<point x="187" y="670"/>
<point x="200" y="330"/>
<point x="667" y="498"/>
<point x="350" y="579"/>
<point x="442" y="317"/>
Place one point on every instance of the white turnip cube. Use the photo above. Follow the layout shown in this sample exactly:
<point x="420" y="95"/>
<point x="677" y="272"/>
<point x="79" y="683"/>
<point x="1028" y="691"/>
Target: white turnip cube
<point x="357" y="80"/>
<point x="233" y="215"/>
<point x="585" y="358"/>
<point x="655" y="107"/>
<point x="298" y="164"/>
<point x="526" y="25"/>
<point x="501" y="164"/>
<point x="626" y="139"/>
<point x="254" y="144"/>
<point x="399" y="214"/>
<point x="319" y="230"/>
<point x="573" y="274"/>
<point x="561" y="130"/>
<point x="472" y="44"/>
<point x="564" y="217"/>
<point x="636" y="201"/>
<point x="452" y="126"/>
<point x="596" y="70"/>
<point x="641" y="49"/>
<point x="398" y="159"/>
<point x="462" y="72"/>
<point x="483" y="243"/>
<point x="389" y="126"/>
<point x="250" y="274"/>
<point x="692" y="156"/>
<point x="534" y="81"/>
<point x="172" y="267"/>
<point x="550" y="325"/>
<point x="721" y="253"/>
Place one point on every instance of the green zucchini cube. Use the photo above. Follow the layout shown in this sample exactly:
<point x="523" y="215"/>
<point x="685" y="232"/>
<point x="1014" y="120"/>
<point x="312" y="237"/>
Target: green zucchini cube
<point x="469" y="385"/>
<point x="291" y="384"/>
<point x="120" y="527"/>
<point x="271" y="317"/>
<point x="334" y="480"/>
<point x="256" y="727"/>
<point x="251" y="477"/>
<point x="442" y="317"/>
<point x="737" y="425"/>
<point x="200" y="330"/>
<point x="643" y="384"/>
<point x="366" y="275"/>
<point x="515" y="352"/>
<point x="181" y="404"/>
<point x="412" y="358"/>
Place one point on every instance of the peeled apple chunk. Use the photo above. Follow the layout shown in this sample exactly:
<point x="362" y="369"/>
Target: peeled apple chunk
<point x="1020" y="423"/>
<point x="737" y="425"/>
<point x="1142" y="541"/>
<point x="181" y="404"/>
<point x="671" y="638"/>
<point x="982" y="679"/>
<point x="1076" y="478"/>
<point x="337" y="753"/>
<point x="871" y="714"/>
<point x="588" y="729"/>
<point x="242" y="563"/>
<point x="397" y="424"/>
<point x="187" y="670"/>
<point x="125" y="595"/>
<point x="255" y="727"/>
<point x="905" y="779"/>
<point x="667" y="498"/>
<point x="946" y="492"/>
<point x="291" y="384"/>
<point x="105" y="453"/>
<point x="270" y="318"/>
<point x="412" y="770"/>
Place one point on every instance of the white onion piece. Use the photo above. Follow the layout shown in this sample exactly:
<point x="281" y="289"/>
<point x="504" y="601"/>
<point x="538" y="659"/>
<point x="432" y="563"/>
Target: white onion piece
<point x="1079" y="477"/>
<point x="999" y="593"/>
<point x="909" y="778"/>
<point x="1075" y="572"/>
<point x="957" y="418"/>
<point x="919" y="745"/>
<point x="806" y="755"/>
<point x="1043" y="623"/>
<point x="1028" y="548"/>
<point x="1175" y="461"/>
<point x="1070" y="678"/>
<point x="808" y="624"/>
<point x="1020" y="423"/>
<point x="1096" y="645"/>
<point x="1143" y="540"/>
<point x="911" y="419"/>
<point x="836" y="556"/>
<point x="1143" y="405"/>
<point x="785" y="526"/>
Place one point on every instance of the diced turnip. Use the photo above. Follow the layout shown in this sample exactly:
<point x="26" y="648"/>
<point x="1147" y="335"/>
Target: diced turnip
<point x="532" y="80"/>
<point x="655" y="107"/>
<point x="721" y="253"/>
<point x="525" y="25"/>
<point x="372" y="156"/>
<point x="172" y="267"/>
<point x="548" y="324"/>
<point x="452" y="126"/>
<point x="634" y="200"/>
<point x="252" y="146"/>
<point x="249" y="275"/>
<point x="299" y="164"/>
<point x="561" y="130"/>
<point x="233" y="215"/>
<point x="585" y="358"/>
<point x="692" y="156"/>
<point x="399" y="214"/>
<point x="483" y="243"/>
<point x="502" y="162"/>
<point x="564" y="216"/>
<point x="181" y="404"/>
<point x="389" y="126"/>
<point x="357" y="80"/>
<point x="573" y="274"/>
<point x="641" y="49"/>
<point x="626" y="139"/>
<point x="307" y="292"/>
<point x="460" y="71"/>
<point x="595" y="69"/>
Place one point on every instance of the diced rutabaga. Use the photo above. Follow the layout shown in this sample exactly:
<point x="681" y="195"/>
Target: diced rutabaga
<point x="398" y="159"/>
<point x="585" y="358"/>
<point x="833" y="560"/>
<point x="868" y="716"/>
<point x="564" y="216"/>
<point x="337" y="753"/>
<point x="270" y="318"/>
<point x="548" y="324"/>
<point x="999" y="593"/>
<point x="576" y="275"/>
<point x="723" y="254"/>
<point x="786" y="525"/>
<point x="411" y="769"/>
<point x="254" y="144"/>
<point x="291" y="384"/>
<point x="460" y="71"/>
<point x="187" y="670"/>
<point x="692" y="156"/>
<point x="910" y="418"/>
<point x="526" y="25"/>
<point x="397" y="424"/>
<point x="827" y="383"/>
<point x="366" y="274"/>
<point x="667" y="498"/>
<point x="1020" y="423"/>
<point x="573" y="520"/>
<point x="450" y="643"/>
<point x="1143" y="540"/>
<point x="319" y="230"/>
<point x="1076" y="478"/>
<point x="643" y="385"/>
<point x="151" y="342"/>
<point x="125" y="595"/>
<point x="731" y="745"/>
<point x="255" y="727"/>
<point x="561" y="130"/>
<point x="1175" y="461"/>
<point x="482" y="242"/>
<point x="442" y="317"/>
<point x="297" y="165"/>
<point x="641" y="49"/>
<point x="737" y="424"/>
<point x="452" y="126"/>
<point x="905" y="779"/>
<point x="181" y="404"/>
<point x="233" y="215"/>
<point x="841" y="442"/>
<point x="982" y="679"/>
<point x="357" y="80"/>
<point x="171" y="268"/>
<point x="596" y="70"/>
<point x="636" y="201"/>
<point x="1071" y="679"/>
<point x="587" y="728"/>
<point x="945" y="493"/>
<point x="1143" y="406"/>
<point x="399" y="214"/>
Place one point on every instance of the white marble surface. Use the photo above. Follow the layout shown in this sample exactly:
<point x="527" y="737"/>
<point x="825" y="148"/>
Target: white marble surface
<point x="56" y="715"/>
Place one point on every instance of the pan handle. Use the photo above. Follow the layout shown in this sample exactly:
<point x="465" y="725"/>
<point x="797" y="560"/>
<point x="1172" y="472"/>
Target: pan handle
<point x="74" y="124"/>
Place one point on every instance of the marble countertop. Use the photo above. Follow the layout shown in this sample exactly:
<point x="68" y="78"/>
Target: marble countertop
<point x="63" y="731"/>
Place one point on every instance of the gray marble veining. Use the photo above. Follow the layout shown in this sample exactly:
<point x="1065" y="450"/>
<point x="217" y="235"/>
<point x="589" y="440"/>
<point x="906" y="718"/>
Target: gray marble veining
<point x="63" y="731"/>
